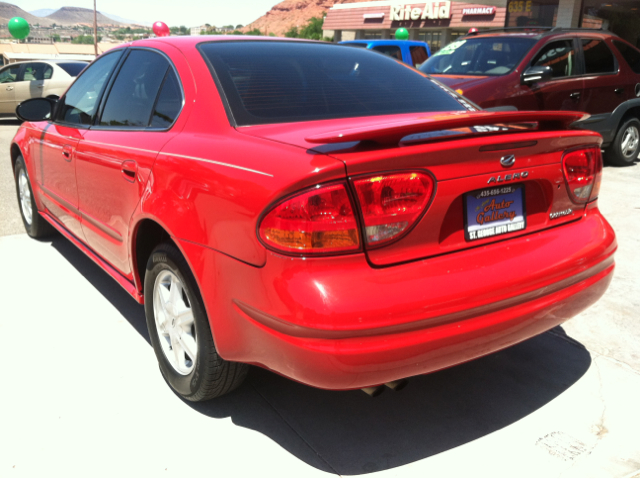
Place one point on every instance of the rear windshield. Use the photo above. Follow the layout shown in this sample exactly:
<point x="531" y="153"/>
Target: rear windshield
<point x="479" y="56"/>
<point x="73" y="69"/>
<point x="276" y="82"/>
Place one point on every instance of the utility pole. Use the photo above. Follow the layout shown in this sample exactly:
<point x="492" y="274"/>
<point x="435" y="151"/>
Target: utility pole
<point x="95" y="28"/>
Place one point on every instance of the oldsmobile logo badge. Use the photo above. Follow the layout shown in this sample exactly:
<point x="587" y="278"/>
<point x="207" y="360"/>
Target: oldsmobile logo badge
<point x="508" y="160"/>
<point x="514" y="176"/>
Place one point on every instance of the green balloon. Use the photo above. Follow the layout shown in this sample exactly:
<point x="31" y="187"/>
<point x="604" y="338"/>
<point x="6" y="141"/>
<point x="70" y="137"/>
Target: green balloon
<point x="402" y="34"/>
<point x="19" y="28"/>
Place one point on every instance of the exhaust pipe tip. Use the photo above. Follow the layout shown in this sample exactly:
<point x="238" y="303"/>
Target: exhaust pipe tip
<point x="374" y="391"/>
<point x="397" y="385"/>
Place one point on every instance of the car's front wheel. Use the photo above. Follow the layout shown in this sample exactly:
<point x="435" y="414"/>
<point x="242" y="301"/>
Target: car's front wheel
<point x="626" y="146"/>
<point x="35" y="225"/>
<point x="180" y="331"/>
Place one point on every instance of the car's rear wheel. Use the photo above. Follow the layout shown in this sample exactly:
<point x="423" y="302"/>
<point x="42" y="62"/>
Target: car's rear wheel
<point x="180" y="331"/>
<point x="626" y="146"/>
<point x="35" y="225"/>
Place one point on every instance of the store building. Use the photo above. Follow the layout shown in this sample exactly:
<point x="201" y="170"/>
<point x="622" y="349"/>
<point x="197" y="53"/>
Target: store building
<point x="440" y="22"/>
<point x="436" y="22"/>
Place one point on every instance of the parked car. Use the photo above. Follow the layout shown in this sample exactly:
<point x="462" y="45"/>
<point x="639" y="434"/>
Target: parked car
<point x="23" y="80"/>
<point x="552" y="69"/>
<point x="411" y="52"/>
<point x="272" y="204"/>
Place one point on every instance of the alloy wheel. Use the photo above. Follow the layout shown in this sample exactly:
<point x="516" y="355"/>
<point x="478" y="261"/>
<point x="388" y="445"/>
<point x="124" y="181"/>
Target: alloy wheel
<point x="25" y="197"/>
<point x="630" y="140"/>
<point x="175" y="322"/>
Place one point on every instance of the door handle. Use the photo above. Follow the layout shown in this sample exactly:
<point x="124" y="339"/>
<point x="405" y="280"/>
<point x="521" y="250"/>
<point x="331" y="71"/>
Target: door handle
<point x="40" y="86"/>
<point x="575" y="96"/>
<point x="129" y="170"/>
<point x="619" y="91"/>
<point x="9" y="88"/>
<point x="66" y="152"/>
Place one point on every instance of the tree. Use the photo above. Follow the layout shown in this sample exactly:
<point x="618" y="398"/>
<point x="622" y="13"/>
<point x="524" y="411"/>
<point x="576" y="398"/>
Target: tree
<point x="255" y="32"/>
<point x="237" y="32"/>
<point x="313" y="29"/>
<point x="55" y="37"/>
<point x="238" y="27"/>
<point x="292" y="33"/>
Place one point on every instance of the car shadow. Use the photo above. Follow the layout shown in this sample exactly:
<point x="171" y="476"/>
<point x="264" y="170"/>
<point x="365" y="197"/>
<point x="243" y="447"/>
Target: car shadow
<point x="10" y="121"/>
<point x="350" y="433"/>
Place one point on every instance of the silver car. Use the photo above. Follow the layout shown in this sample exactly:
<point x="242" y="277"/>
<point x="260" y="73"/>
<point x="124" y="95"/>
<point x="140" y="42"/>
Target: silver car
<point x="41" y="78"/>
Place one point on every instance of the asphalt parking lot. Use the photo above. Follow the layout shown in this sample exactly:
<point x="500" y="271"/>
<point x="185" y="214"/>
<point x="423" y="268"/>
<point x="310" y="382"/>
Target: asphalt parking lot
<point x="82" y="394"/>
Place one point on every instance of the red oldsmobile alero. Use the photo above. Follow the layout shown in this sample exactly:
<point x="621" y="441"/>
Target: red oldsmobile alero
<point x="320" y="211"/>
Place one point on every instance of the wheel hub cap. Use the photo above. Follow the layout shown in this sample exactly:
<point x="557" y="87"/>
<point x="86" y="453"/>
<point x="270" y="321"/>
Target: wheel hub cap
<point x="25" y="197"/>
<point x="630" y="141"/>
<point x="175" y="322"/>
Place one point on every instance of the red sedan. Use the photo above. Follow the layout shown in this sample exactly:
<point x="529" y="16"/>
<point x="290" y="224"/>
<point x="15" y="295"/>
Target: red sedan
<point x="320" y="211"/>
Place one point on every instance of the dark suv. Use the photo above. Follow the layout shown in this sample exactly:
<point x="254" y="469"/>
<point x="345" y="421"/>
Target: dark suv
<point x="593" y="71"/>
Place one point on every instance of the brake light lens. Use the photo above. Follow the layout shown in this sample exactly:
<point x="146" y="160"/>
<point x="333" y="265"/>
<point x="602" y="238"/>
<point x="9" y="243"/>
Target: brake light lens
<point x="319" y="220"/>
<point x="392" y="203"/>
<point x="583" y="173"/>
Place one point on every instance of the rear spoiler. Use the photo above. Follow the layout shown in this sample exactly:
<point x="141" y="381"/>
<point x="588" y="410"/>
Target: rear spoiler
<point x="392" y="132"/>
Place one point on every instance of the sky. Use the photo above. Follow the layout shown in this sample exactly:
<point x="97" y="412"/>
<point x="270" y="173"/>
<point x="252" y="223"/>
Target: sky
<point x="190" y="13"/>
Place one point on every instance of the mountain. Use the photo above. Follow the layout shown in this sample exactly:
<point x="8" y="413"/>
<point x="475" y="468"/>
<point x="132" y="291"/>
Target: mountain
<point x="8" y="11"/>
<point x="75" y="15"/>
<point x="127" y="21"/>
<point x="292" y="13"/>
<point x="43" y="12"/>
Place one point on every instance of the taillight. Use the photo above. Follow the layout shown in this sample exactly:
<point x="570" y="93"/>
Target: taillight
<point x="583" y="173"/>
<point x="319" y="220"/>
<point x="392" y="203"/>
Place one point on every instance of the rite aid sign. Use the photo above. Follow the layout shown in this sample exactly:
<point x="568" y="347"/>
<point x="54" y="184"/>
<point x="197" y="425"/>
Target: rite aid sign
<point x="430" y="11"/>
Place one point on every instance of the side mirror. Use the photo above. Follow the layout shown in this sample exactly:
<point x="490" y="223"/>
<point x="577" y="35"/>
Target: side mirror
<point x="536" y="74"/>
<point x="35" y="109"/>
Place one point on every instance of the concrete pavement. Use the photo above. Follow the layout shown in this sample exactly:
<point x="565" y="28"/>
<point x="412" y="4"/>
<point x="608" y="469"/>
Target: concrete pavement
<point x="82" y="394"/>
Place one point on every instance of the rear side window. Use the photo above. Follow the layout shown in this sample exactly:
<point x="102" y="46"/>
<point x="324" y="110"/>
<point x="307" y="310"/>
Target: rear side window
<point x="389" y="50"/>
<point x="169" y="102"/>
<point x="597" y="57"/>
<point x="560" y="56"/>
<point x="274" y="82"/>
<point x="418" y="55"/>
<point x="630" y="55"/>
<point x="134" y="92"/>
<point x="37" y="71"/>
<point x="73" y="69"/>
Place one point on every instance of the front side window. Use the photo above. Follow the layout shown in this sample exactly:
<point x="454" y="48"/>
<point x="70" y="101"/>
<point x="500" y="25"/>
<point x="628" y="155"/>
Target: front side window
<point x="560" y="56"/>
<point x="276" y="82"/>
<point x="479" y="56"/>
<point x="597" y="57"/>
<point x="630" y="55"/>
<point x="9" y="74"/>
<point x="418" y="55"/>
<point x="134" y="92"/>
<point x="78" y="106"/>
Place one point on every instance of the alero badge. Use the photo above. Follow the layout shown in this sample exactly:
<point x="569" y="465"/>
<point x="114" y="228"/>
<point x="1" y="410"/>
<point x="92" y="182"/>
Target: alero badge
<point x="514" y="176"/>
<point x="508" y="161"/>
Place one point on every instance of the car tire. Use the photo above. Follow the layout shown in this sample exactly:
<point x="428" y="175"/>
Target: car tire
<point x="35" y="225"/>
<point x="626" y="146"/>
<point x="180" y="331"/>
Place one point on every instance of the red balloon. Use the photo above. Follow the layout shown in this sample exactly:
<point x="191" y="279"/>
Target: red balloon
<point x="161" y="29"/>
<point x="473" y="30"/>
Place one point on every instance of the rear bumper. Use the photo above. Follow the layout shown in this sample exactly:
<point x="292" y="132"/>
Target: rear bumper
<point x="338" y="323"/>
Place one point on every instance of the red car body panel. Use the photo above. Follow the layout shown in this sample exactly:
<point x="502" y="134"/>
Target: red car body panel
<point x="335" y="322"/>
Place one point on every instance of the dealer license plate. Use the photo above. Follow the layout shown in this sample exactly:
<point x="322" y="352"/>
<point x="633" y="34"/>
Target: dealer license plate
<point x="494" y="211"/>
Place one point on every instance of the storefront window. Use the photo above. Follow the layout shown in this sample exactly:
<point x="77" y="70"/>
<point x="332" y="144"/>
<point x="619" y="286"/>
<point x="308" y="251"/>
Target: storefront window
<point x="372" y="34"/>
<point x="433" y="39"/>
<point x="531" y="13"/>
<point x="621" y="17"/>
